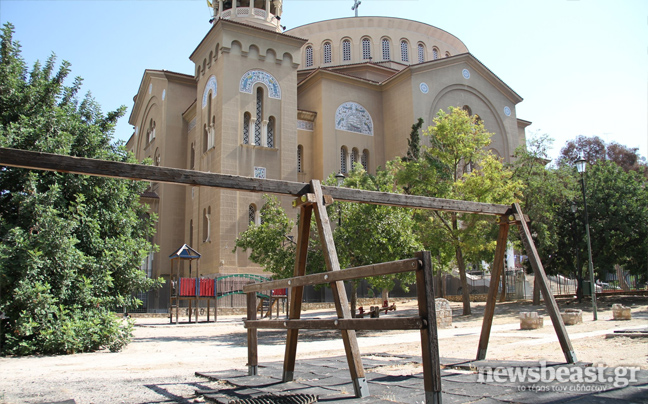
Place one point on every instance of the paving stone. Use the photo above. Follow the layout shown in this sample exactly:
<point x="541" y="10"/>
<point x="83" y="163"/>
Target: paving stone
<point x="630" y="393"/>
<point x="604" y="400"/>
<point x="330" y="380"/>
<point x="476" y="389"/>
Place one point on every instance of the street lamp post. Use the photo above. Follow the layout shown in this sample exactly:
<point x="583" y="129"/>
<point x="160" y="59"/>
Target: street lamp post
<point x="579" y="271"/>
<point x="581" y="165"/>
<point x="339" y="177"/>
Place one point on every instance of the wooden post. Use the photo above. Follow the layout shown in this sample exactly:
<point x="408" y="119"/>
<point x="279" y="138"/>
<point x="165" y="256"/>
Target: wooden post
<point x="541" y="278"/>
<point x="297" y="293"/>
<point x="252" y="342"/>
<point x="429" y="337"/>
<point x="498" y="265"/>
<point x="351" y="348"/>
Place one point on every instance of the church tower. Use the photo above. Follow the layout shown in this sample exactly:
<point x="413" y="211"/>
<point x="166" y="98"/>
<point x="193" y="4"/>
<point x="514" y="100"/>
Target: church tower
<point x="245" y="121"/>
<point x="261" y="13"/>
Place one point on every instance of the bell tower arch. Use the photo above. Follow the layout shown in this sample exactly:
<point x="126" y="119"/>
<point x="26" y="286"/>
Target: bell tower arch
<point x="260" y="13"/>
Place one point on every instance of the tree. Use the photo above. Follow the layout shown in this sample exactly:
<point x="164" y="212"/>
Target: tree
<point x="272" y="246"/>
<point x="414" y="142"/>
<point x="387" y="234"/>
<point x="458" y="166"/>
<point x="371" y="234"/>
<point x="70" y="246"/>
<point x="548" y="195"/>
<point x="594" y="149"/>
<point x="617" y="201"/>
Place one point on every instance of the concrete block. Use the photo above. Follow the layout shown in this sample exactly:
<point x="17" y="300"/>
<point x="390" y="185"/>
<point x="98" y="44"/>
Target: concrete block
<point x="443" y="313"/>
<point x="572" y="316"/>
<point x="530" y="320"/>
<point x="621" y="312"/>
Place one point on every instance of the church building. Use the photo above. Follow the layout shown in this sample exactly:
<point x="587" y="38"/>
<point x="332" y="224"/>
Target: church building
<point x="295" y="105"/>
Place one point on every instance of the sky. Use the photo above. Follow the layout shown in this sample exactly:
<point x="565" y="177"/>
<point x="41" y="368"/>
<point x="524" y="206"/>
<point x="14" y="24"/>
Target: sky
<point x="580" y="65"/>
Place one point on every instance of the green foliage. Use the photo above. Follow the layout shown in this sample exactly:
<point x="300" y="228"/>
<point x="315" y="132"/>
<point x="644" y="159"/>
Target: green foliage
<point x="616" y="197"/>
<point x="370" y="234"/>
<point x="458" y="166"/>
<point x="547" y="200"/>
<point x="617" y="203"/>
<point x="414" y="142"/>
<point x="269" y="243"/>
<point x="70" y="245"/>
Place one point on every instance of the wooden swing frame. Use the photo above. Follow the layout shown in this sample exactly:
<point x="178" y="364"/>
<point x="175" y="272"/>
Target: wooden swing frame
<point x="312" y="197"/>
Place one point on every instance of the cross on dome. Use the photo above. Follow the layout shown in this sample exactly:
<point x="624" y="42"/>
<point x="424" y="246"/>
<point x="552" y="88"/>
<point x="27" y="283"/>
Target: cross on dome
<point x="356" y="4"/>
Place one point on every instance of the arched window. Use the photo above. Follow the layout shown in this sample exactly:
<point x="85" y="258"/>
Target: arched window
<point x="343" y="160"/>
<point x="435" y="53"/>
<point x="151" y="130"/>
<point x="467" y="109"/>
<point x="386" y="54"/>
<point x="252" y="214"/>
<point x="246" y="128"/>
<point x="205" y="138"/>
<point x="327" y="52"/>
<point x="364" y="160"/>
<point x="353" y="157"/>
<point x="421" y="53"/>
<point x="309" y="56"/>
<point x="206" y="224"/>
<point x="346" y="50"/>
<point x="404" y="51"/>
<point x="271" y="131"/>
<point x="447" y="54"/>
<point x="300" y="158"/>
<point x="192" y="160"/>
<point x="366" y="49"/>
<point x="259" y="116"/>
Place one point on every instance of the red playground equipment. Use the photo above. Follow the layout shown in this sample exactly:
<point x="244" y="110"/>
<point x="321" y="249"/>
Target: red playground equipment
<point x="189" y="289"/>
<point x="374" y="311"/>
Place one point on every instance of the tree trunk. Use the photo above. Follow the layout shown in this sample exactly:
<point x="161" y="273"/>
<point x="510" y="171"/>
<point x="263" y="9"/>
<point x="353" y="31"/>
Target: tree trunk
<point x="620" y="276"/>
<point x="536" y="291"/>
<point x="464" y="281"/>
<point x="385" y="295"/>
<point x="440" y="287"/>
<point x="503" y="293"/>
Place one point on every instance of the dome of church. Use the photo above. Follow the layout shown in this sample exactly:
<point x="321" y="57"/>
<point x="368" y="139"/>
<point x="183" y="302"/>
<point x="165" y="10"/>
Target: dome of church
<point x="385" y="40"/>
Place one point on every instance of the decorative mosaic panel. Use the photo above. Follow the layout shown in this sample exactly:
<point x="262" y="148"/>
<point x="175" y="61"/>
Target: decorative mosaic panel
<point x="163" y="94"/>
<point x="353" y="117"/>
<point x="465" y="73"/>
<point x="251" y="77"/>
<point x="192" y="125"/>
<point x="304" y="125"/>
<point x="211" y="85"/>
<point x="507" y="111"/>
<point x="260" y="172"/>
<point x="424" y="88"/>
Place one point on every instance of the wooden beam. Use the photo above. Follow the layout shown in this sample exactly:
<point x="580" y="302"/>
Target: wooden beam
<point x="386" y="268"/>
<point x="349" y="339"/>
<point x="252" y="337"/>
<point x="139" y="172"/>
<point x="498" y="266"/>
<point x="395" y="323"/>
<point x="429" y="337"/>
<point x="297" y="293"/>
<point x="543" y="282"/>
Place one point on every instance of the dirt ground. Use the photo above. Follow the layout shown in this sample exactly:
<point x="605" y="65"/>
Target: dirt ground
<point x="159" y="365"/>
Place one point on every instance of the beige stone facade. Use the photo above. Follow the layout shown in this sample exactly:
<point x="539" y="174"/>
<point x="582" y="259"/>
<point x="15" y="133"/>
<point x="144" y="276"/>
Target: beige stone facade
<point x="295" y="105"/>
